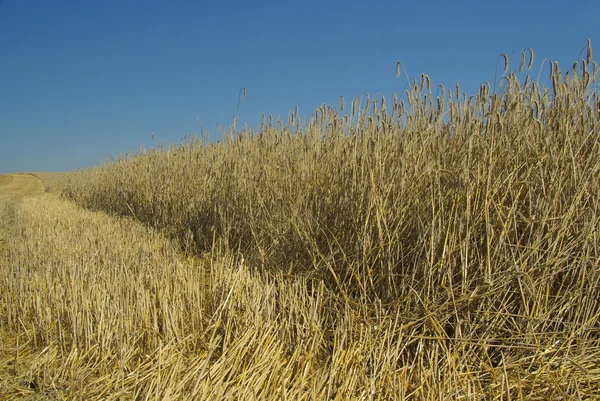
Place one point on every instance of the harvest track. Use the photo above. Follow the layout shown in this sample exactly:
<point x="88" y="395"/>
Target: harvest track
<point x="34" y="223"/>
<point x="13" y="187"/>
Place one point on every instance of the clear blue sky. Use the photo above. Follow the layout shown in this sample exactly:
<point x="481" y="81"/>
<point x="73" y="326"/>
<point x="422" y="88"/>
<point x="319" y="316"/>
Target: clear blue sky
<point x="81" y="80"/>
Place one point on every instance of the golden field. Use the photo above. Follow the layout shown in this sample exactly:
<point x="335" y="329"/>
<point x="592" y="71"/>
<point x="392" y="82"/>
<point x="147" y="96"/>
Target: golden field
<point x="437" y="247"/>
<point x="5" y="179"/>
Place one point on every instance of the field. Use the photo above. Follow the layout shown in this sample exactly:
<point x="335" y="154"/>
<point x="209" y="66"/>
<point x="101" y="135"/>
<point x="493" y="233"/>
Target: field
<point x="437" y="247"/>
<point x="5" y="179"/>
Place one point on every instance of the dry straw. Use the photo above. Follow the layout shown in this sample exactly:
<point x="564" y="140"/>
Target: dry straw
<point x="446" y="250"/>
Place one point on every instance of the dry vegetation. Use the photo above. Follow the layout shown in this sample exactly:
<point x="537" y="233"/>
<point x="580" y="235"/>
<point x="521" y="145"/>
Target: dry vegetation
<point x="50" y="179"/>
<point x="440" y="247"/>
<point x="5" y="179"/>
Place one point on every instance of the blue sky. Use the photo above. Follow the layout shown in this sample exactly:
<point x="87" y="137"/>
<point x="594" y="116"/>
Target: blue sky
<point x="81" y="80"/>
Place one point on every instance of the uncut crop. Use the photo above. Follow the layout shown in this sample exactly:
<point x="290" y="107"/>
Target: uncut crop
<point x="438" y="246"/>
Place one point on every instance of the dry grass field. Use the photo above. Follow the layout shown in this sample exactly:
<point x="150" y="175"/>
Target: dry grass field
<point x="437" y="247"/>
<point x="5" y="179"/>
<point x="49" y="179"/>
<point x="20" y="184"/>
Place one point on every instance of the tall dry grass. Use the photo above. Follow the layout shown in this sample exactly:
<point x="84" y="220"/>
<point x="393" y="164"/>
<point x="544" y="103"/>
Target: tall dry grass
<point x="437" y="247"/>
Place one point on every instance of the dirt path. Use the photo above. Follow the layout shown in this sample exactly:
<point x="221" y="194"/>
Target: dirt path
<point x="19" y="185"/>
